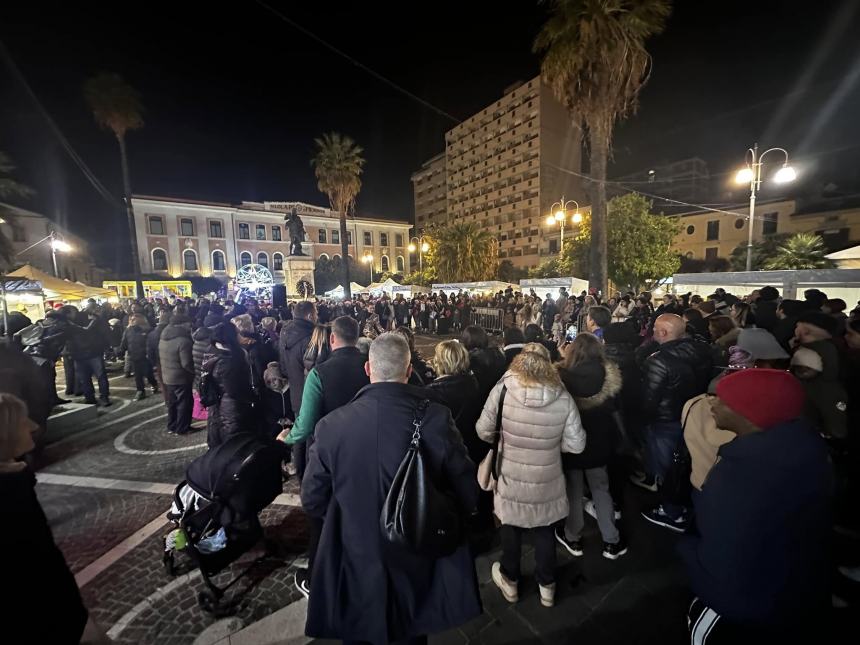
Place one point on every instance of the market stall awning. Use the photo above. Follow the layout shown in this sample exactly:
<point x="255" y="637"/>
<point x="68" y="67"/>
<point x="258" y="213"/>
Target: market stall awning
<point x="57" y="289"/>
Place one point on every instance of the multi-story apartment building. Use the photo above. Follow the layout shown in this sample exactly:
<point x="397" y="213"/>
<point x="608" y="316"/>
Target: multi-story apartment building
<point x="181" y="237"/>
<point x="504" y="168"/>
<point x="707" y="235"/>
<point x="29" y="235"/>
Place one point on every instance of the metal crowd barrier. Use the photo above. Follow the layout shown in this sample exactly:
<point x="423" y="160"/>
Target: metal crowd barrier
<point x="490" y="318"/>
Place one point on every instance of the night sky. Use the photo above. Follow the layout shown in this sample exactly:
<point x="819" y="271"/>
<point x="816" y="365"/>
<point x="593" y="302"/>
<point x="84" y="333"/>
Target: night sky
<point x="234" y="96"/>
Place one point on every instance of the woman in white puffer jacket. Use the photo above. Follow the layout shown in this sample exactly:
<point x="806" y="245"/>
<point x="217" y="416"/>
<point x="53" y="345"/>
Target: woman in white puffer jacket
<point x="539" y="422"/>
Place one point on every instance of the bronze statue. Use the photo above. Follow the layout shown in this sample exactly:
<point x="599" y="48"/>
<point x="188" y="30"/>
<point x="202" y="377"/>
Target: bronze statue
<point x="297" y="232"/>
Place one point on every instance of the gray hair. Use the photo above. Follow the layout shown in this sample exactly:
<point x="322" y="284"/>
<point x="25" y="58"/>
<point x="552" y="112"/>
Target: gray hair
<point x="389" y="358"/>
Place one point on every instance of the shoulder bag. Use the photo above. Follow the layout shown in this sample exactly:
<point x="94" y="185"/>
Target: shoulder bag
<point x="416" y="515"/>
<point x="488" y="470"/>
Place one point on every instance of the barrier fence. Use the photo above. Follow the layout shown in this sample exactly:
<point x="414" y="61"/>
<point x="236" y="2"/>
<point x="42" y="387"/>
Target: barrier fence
<point x="490" y="318"/>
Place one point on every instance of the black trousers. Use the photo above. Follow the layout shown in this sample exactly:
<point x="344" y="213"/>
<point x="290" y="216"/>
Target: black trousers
<point x="143" y="369"/>
<point x="85" y="370"/>
<point x="512" y="542"/>
<point x="180" y="404"/>
<point x="315" y="527"/>
<point x="72" y="386"/>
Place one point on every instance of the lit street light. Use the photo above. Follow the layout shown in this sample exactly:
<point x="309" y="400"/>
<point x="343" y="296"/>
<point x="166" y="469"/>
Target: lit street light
<point x="367" y="258"/>
<point x="752" y="174"/>
<point x="558" y="215"/>
<point x="422" y="247"/>
<point x="57" y="245"/>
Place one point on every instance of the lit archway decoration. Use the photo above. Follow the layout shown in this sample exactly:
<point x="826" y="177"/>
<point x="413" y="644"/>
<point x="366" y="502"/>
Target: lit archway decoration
<point x="254" y="280"/>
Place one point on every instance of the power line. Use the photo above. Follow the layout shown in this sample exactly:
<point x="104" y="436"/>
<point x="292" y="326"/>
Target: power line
<point x="16" y="72"/>
<point x="357" y="63"/>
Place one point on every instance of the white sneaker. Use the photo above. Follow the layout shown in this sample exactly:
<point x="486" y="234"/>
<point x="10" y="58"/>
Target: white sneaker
<point x="591" y="510"/>
<point x="547" y="595"/>
<point x="506" y="586"/>
<point x="852" y="573"/>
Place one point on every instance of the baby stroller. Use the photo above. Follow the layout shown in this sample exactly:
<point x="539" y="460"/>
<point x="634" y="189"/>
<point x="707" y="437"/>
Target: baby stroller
<point x="215" y="509"/>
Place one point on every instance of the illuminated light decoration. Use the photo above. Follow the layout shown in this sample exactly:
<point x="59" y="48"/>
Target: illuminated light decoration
<point x="304" y="288"/>
<point x="254" y="280"/>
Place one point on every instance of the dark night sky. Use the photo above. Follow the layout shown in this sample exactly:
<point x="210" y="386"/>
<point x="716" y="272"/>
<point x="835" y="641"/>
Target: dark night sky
<point x="234" y="96"/>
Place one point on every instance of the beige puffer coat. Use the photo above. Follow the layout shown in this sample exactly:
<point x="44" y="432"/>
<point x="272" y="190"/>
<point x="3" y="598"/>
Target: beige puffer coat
<point x="538" y="424"/>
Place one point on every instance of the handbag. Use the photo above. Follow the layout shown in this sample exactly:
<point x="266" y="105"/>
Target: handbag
<point x="488" y="470"/>
<point x="416" y="515"/>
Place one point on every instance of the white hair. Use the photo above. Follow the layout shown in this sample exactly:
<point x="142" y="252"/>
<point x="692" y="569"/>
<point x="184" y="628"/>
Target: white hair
<point x="389" y="358"/>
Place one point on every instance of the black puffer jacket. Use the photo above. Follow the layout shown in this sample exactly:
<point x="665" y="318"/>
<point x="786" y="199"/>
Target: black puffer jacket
<point x="202" y="347"/>
<point x="89" y="340"/>
<point x="623" y="355"/>
<point x="232" y="413"/>
<point x="134" y="342"/>
<point x="595" y="387"/>
<point x="292" y="344"/>
<point x="459" y="392"/>
<point x="488" y="365"/>
<point x="672" y="375"/>
<point x="175" y="358"/>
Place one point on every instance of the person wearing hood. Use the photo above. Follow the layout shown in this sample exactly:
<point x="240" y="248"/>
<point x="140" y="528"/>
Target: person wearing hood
<point x="134" y="345"/>
<point x="759" y="563"/>
<point x="177" y="372"/>
<point x="595" y="384"/>
<point x="292" y="345"/>
<point x="231" y="374"/>
<point x="487" y="363"/>
<point x="539" y="421"/>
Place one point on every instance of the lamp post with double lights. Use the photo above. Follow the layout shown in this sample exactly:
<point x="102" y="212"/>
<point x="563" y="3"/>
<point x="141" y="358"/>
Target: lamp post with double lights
<point x="57" y="245"/>
<point x="752" y="174"/>
<point x="367" y="258"/>
<point x="558" y="215"/>
<point x="418" y="243"/>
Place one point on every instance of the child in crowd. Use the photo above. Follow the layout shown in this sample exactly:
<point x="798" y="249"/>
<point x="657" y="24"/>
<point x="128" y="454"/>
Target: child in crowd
<point x="557" y="330"/>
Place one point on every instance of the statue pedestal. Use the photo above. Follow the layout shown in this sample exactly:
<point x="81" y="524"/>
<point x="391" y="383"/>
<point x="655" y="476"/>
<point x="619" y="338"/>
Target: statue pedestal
<point x="296" y="268"/>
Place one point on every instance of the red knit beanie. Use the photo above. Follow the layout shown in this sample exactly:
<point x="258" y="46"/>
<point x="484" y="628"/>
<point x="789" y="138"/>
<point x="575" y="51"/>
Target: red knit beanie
<point x="765" y="397"/>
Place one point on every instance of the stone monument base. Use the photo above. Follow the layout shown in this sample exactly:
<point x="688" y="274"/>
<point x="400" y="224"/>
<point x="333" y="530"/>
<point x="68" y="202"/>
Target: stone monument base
<point x="297" y="268"/>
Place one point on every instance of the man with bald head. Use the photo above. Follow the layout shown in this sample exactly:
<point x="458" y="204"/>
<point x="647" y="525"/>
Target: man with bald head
<point x="679" y="370"/>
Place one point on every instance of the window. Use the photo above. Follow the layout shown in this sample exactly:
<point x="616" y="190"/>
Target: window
<point x="263" y="259"/>
<point x="691" y="229"/>
<point x="186" y="227"/>
<point x="713" y="230"/>
<point x="368" y="238"/>
<point x="189" y="260"/>
<point x="261" y="231"/>
<point x="383" y="239"/>
<point x="384" y="263"/>
<point x="159" y="260"/>
<point x="769" y="223"/>
<point x="335" y="237"/>
<point x="245" y="258"/>
<point x="278" y="262"/>
<point x="711" y="253"/>
<point x="400" y="264"/>
<point x="156" y="226"/>
<point x="215" y="228"/>
<point x="276" y="233"/>
<point x="244" y="232"/>
<point x="553" y="246"/>
<point x="398" y="239"/>
<point x="322" y="236"/>
<point x="218" y="263"/>
<point x="348" y="237"/>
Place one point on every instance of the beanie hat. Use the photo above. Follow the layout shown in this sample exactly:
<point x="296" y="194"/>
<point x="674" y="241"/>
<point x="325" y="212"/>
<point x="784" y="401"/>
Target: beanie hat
<point x="821" y="320"/>
<point x="805" y="357"/>
<point x="761" y="345"/>
<point x="764" y="397"/>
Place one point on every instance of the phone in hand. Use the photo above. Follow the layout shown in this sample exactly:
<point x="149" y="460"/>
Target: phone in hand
<point x="571" y="333"/>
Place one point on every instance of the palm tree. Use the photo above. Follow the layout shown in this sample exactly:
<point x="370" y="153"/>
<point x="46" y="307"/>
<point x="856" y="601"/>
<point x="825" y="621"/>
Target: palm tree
<point x="9" y="187"/>
<point x="338" y="165"/>
<point x="464" y="252"/>
<point x="800" y="251"/>
<point x="116" y="107"/>
<point x="596" y="63"/>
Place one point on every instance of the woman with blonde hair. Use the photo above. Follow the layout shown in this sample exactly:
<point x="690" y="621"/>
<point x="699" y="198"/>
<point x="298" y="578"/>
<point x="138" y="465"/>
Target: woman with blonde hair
<point x="538" y="420"/>
<point x="457" y="388"/>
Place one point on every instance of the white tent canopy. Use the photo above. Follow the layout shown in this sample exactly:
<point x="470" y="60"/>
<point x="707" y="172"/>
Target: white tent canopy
<point x="338" y="291"/>
<point x="487" y="286"/>
<point x="377" y="288"/>
<point x="573" y="285"/>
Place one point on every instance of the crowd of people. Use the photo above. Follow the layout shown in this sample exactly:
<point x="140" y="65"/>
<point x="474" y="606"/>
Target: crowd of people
<point x="738" y="414"/>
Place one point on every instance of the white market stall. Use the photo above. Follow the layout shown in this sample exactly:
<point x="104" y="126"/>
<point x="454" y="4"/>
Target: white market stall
<point x="543" y="286"/>
<point x="378" y="288"/>
<point x="338" y="291"/>
<point x="22" y="295"/>
<point x="58" y="290"/>
<point x="409" y="290"/>
<point x="483" y="287"/>
<point x="836" y="283"/>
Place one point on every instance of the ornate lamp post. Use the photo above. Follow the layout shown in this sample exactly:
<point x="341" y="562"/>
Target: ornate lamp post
<point x="558" y="215"/>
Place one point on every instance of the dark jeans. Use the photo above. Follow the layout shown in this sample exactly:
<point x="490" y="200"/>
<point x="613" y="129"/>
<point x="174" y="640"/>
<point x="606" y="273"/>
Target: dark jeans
<point x="86" y="369"/>
<point x="143" y="369"/>
<point x="180" y="404"/>
<point x="661" y="440"/>
<point x="544" y="540"/>
<point x="72" y="386"/>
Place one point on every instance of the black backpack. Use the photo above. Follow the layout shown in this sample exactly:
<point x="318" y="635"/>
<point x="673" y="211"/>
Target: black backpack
<point x="416" y="515"/>
<point x="207" y="388"/>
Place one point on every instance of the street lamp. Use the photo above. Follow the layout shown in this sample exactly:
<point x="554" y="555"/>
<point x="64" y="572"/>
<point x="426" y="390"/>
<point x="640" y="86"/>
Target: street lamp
<point x="418" y="243"/>
<point x="367" y="258"/>
<point x="57" y="245"/>
<point x="558" y="215"/>
<point x="752" y="174"/>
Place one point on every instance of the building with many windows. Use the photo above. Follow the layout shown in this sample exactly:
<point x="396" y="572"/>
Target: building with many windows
<point x="503" y="169"/>
<point x="181" y="237"/>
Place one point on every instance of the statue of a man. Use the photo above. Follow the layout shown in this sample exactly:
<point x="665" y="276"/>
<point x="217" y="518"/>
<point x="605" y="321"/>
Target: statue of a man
<point x="297" y="232"/>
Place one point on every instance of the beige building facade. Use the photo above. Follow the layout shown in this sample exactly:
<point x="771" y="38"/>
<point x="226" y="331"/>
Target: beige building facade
<point x="191" y="238"/>
<point x="504" y="167"/>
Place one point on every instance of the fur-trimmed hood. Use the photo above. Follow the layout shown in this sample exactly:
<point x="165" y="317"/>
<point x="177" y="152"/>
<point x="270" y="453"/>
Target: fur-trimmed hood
<point x="593" y="383"/>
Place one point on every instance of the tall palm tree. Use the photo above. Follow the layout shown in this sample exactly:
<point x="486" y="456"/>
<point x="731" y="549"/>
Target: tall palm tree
<point x="116" y="107"/>
<point x="9" y="187"/>
<point x="464" y="252"/>
<point x="338" y="165"/>
<point x="596" y="63"/>
<point x="800" y="251"/>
